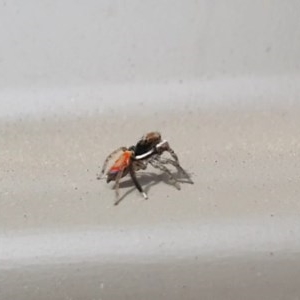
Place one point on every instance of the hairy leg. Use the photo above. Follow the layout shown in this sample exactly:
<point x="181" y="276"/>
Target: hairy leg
<point x="158" y="165"/>
<point x="139" y="165"/>
<point x="118" y="178"/>
<point x="164" y="146"/>
<point x="176" y="165"/>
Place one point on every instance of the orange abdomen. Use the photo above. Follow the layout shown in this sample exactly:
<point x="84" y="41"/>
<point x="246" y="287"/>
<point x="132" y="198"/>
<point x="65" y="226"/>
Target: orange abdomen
<point x="120" y="165"/>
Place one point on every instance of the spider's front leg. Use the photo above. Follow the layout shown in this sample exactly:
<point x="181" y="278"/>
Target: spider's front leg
<point x="158" y="165"/>
<point x="177" y="166"/>
<point x="164" y="146"/>
<point x="108" y="158"/>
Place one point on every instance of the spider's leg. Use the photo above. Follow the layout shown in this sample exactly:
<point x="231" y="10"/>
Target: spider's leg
<point x="116" y="186"/>
<point x="157" y="164"/>
<point x="164" y="146"/>
<point x="173" y="154"/>
<point x="139" y="165"/>
<point x="108" y="158"/>
<point x="135" y="181"/>
<point x="176" y="165"/>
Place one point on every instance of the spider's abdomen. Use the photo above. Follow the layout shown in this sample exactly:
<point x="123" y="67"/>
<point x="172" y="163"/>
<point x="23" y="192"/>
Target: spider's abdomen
<point x="120" y="165"/>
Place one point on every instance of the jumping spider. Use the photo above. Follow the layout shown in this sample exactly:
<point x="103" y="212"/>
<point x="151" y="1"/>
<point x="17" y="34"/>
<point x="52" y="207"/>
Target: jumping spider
<point x="147" y="150"/>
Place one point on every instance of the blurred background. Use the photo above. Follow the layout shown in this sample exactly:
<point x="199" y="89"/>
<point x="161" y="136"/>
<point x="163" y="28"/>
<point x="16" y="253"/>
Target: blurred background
<point x="70" y="55"/>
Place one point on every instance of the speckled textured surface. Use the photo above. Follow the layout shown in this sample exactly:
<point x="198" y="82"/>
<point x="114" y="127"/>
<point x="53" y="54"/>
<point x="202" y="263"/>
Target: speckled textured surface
<point x="238" y="222"/>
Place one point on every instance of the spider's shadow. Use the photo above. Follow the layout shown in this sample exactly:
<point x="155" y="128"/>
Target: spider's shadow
<point x="148" y="180"/>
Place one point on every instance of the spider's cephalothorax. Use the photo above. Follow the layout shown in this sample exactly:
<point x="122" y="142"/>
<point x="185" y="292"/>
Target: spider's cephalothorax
<point x="147" y="150"/>
<point x="147" y="143"/>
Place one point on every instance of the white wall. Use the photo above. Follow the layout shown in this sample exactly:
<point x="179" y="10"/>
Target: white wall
<point x="120" y="41"/>
<point x="82" y="43"/>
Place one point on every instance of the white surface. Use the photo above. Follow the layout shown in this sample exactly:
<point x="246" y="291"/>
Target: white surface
<point x="154" y="244"/>
<point x="59" y="45"/>
<point x="117" y="99"/>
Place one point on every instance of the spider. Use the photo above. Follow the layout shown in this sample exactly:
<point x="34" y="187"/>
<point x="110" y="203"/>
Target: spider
<point x="147" y="150"/>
